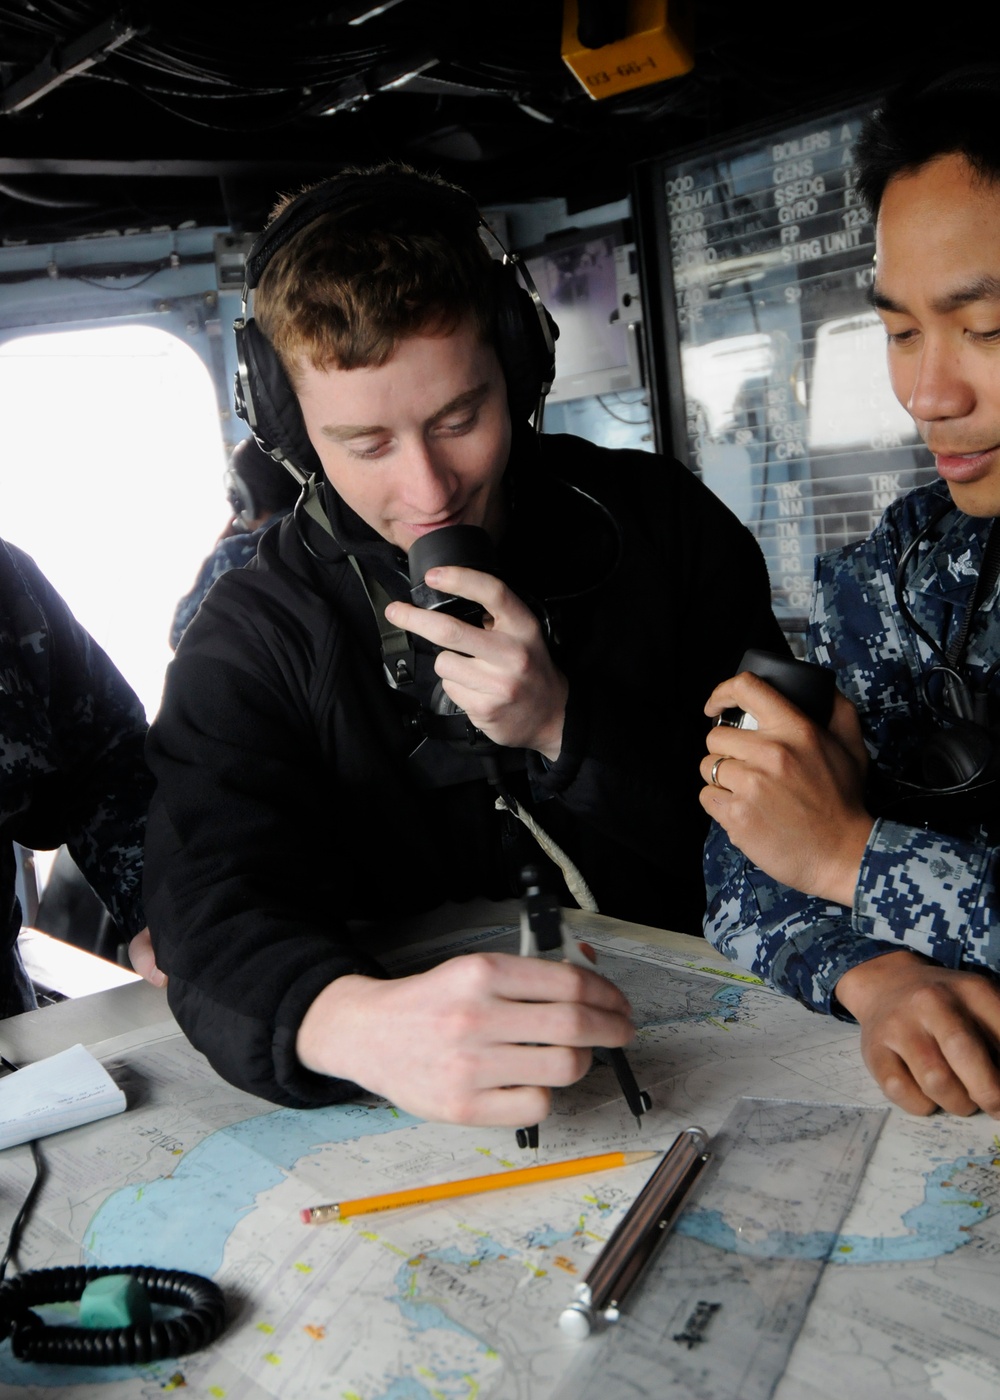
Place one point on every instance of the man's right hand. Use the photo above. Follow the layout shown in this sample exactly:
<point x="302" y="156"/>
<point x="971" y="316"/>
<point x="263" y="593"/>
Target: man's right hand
<point x="929" y="1034"/>
<point x="789" y="795"/>
<point x="480" y="1040"/>
<point x="500" y="674"/>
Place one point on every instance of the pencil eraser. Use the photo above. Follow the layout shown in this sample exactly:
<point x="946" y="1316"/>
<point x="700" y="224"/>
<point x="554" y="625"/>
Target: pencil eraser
<point x="305" y="1214"/>
<point x="114" y="1300"/>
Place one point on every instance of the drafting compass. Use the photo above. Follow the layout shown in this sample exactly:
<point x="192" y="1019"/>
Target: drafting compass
<point x="544" y="935"/>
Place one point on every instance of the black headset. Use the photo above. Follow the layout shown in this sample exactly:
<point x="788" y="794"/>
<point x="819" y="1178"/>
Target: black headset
<point x="240" y="497"/>
<point x="963" y="751"/>
<point x="525" y="333"/>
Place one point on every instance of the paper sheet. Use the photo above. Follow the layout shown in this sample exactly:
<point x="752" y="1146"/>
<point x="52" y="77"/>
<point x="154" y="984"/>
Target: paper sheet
<point x="61" y="1092"/>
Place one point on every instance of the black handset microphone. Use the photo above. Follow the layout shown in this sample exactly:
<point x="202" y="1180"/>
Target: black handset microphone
<point x="468" y="547"/>
<point x="809" y="687"/>
<point x="962" y="754"/>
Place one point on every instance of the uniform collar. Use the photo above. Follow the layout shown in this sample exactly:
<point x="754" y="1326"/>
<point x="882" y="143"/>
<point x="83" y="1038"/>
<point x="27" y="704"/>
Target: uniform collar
<point x="950" y="563"/>
<point x="942" y="584"/>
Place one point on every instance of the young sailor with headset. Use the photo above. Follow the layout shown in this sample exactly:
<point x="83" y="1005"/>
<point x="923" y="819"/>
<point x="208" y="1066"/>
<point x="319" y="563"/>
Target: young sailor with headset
<point x="870" y="889"/>
<point x="311" y="777"/>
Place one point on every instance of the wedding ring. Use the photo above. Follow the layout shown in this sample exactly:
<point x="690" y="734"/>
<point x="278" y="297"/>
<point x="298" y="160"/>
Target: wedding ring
<point x="714" y="779"/>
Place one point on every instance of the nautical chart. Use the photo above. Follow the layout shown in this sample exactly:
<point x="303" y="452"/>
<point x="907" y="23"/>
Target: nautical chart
<point x="461" y="1300"/>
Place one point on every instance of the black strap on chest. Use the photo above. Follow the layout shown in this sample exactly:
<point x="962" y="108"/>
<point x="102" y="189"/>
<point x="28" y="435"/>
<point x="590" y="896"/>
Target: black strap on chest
<point x="398" y="656"/>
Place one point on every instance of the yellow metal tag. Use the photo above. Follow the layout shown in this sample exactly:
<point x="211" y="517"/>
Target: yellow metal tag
<point x="659" y="45"/>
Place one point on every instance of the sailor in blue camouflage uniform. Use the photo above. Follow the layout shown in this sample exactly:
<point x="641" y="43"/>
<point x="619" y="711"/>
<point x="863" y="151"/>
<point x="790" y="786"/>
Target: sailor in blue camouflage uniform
<point x="855" y="867"/>
<point x="920" y="888"/>
<point x="260" y="493"/>
<point x="71" y="759"/>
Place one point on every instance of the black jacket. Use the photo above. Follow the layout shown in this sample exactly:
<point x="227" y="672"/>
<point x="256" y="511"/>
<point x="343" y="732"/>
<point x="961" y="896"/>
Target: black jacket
<point x="290" y="809"/>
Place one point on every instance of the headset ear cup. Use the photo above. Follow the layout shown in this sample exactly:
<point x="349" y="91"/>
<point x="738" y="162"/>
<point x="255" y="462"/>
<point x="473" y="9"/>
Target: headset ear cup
<point x="526" y="357"/>
<point x="266" y="400"/>
<point x="956" y="756"/>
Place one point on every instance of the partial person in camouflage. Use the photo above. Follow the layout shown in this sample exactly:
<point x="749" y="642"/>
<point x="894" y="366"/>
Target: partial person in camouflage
<point x="71" y="763"/>
<point x="260" y="493"/>
<point x="856" y="868"/>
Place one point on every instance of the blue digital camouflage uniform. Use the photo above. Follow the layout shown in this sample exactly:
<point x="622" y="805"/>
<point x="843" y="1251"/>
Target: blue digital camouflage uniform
<point x="919" y="887"/>
<point x="234" y="552"/>
<point x="71" y="758"/>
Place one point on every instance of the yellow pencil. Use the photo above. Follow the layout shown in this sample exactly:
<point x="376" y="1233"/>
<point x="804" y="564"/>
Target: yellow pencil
<point x="471" y="1185"/>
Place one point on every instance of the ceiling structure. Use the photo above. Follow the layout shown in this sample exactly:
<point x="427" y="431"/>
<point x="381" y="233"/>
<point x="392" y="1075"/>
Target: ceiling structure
<point x="162" y="116"/>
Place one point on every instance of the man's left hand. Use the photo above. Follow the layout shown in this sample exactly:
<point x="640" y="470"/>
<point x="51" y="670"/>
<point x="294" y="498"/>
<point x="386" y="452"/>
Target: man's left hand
<point x="789" y="794"/>
<point x="143" y="959"/>
<point x="929" y="1034"/>
<point x="500" y="674"/>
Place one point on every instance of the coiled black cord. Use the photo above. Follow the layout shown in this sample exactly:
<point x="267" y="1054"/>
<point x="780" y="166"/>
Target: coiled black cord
<point x="202" y="1320"/>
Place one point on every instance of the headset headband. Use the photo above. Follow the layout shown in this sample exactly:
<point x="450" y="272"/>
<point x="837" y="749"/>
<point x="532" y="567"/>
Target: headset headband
<point x="525" y="333"/>
<point x="346" y="194"/>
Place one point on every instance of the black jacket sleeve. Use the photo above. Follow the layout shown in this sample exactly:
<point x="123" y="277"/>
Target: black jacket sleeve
<point x="244" y="867"/>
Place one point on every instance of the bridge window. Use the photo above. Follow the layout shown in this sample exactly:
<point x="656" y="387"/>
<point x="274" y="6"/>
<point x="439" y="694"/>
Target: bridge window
<point x="112" y="480"/>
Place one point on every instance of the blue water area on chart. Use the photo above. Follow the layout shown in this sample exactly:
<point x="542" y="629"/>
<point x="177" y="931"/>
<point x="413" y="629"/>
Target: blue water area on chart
<point x="939" y="1224"/>
<point x="182" y="1221"/>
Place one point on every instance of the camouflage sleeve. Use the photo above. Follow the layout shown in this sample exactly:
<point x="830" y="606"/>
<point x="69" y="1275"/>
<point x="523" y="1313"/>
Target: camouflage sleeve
<point x="935" y="894"/>
<point x="91" y="785"/>
<point x="799" y="945"/>
<point x="106" y="811"/>
<point x="917" y="889"/>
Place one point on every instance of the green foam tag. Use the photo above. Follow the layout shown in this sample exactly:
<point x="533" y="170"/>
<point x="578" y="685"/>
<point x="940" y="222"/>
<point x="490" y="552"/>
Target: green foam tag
<point x="114" y="1300"/>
